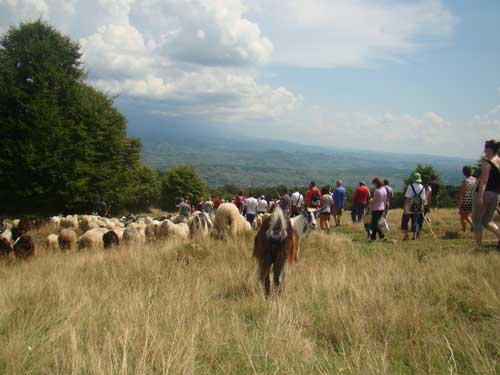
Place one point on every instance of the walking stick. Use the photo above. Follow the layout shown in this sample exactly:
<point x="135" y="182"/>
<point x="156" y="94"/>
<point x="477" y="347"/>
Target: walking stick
<point x="429" y="227"/>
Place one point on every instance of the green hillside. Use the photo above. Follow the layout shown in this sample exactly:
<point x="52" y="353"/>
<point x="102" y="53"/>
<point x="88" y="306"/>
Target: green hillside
<point x="253" y="162"/>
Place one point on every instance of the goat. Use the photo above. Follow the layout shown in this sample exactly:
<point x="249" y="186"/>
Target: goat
<point x="277" y="242"/>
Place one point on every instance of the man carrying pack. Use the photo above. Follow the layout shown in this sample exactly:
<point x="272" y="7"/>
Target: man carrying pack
<point x="415" y="200"/>
<point x="297" y="202"/>
<point x="313" y="197"/>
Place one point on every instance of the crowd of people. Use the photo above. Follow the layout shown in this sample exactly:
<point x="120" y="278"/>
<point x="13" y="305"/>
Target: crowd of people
<point x="477" y="203"/>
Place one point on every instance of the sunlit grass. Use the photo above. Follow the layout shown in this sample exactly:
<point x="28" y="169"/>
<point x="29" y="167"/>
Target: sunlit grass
<point x="420" y="307"/>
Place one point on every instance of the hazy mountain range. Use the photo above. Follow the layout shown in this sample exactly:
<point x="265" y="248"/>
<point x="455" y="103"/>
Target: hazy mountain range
<point x="225" y="157"/>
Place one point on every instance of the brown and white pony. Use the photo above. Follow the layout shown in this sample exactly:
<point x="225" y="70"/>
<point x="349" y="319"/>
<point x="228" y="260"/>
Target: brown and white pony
<point x="277" y="242"/>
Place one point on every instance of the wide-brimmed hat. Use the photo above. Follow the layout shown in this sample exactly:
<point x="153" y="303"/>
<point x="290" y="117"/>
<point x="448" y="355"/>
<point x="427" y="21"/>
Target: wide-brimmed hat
<point x="416" y="177"/>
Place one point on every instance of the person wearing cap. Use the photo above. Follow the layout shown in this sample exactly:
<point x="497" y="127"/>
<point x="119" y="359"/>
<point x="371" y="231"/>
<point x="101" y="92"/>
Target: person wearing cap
<point x="261" y="205"/>
<point x="415" y="200"/>
<point x="360" y="199"/>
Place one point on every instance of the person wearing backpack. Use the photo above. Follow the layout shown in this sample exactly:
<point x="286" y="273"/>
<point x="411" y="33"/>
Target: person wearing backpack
<point x="486" y="198"/>
<point x="285" y="203"/>
<point x="313" y="197"/>
<point x="297" y="202"/>
<point x="240" y="201"/>
<point x="415" y="199"/>
<point x="360" y="200"/>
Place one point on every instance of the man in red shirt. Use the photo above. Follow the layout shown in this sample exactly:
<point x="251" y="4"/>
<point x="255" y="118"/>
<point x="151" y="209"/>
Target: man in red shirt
<point x="217" y="202"/>
<point x="359" y="201"/>
<point x="313" y="197"/>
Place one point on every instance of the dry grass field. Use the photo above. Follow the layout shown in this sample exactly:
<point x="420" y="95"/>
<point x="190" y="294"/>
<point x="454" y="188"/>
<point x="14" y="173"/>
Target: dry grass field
<point x="349" y="307"/>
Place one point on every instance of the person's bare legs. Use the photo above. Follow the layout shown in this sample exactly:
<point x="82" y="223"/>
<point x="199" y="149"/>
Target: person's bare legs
<point x="327" y="222"/>
<point x="493" y="228"/>
<point x="469" y="220"/>
<point x="463" y="221"/>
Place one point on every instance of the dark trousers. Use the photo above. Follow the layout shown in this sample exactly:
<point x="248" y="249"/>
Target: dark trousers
<point x="250" y="218"/>
<point x="358" y="212"/>
<point x="415" y="222"/>
<point x="376" y="215"/>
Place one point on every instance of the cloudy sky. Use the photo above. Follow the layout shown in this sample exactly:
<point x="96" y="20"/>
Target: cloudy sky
<point x="395" y="75"/>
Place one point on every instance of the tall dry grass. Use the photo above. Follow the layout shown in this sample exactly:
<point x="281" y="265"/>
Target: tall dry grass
<point x="426" y="307"/>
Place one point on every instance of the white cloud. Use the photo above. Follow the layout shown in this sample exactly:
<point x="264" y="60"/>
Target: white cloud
<point x="338" y="33"/>
<point x="203" y="32"/>
<point x="198" y="60"/>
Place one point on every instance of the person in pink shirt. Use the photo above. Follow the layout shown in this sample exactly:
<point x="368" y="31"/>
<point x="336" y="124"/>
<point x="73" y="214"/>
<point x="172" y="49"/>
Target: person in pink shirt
<point x="377" y="206"/>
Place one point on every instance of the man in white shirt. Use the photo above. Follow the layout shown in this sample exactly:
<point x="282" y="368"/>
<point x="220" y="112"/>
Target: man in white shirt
<point x="262" y="206"/>
<point x="297" y="202"/>
<point x="251" y="204"/>
<point x="415" y="201"/>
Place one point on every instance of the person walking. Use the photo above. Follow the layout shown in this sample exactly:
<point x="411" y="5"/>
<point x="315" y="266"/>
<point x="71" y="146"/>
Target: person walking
<point x="390" y="196"/>
<point x="415" y="199"/>
<point x="465" y="198"/>
<point x="377" y="208"/>
<point x="326" y="207"/>
<point x="240" y="201"/>
<point x="313" y="197"/>
<point x="486" y="197"/>
<point x="185" y="208"/>
<point x="262" y="205"/>
<point x="208" y="206"/>
<point x="339" y="201"/>
<point x="359" y="201"/>
<point x="297" y="202"/>
<point x="217" y="202"/>
<point x="251" y="208"/>
<point x="285" y="203"/>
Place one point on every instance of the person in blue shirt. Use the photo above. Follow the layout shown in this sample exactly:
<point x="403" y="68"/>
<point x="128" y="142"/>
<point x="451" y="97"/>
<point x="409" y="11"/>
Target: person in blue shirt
<point x="339" y="201"/>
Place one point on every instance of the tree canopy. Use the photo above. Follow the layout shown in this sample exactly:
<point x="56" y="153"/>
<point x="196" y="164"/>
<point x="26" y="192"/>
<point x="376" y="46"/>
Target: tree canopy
<point x="64" y="144"/>
<point x="179" y="182"/>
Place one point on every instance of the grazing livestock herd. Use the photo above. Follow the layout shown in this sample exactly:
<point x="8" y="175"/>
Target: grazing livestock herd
<point x="275" y="244"/>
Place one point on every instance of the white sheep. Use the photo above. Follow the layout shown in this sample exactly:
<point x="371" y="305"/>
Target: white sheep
<point x="169" y="230"/>
<point x="67" y="239"/>
<point x="52" y="241"/>
<point x="200" y="226"/>
<point x="7" y="234"/>
<point x="132" y="234"/>
<point x="119" y="233"/>
<point x="70" y="222"/>
<point x="228" y="222"/>
<point x="91" y="239"/>
<point x="55" y="221"/>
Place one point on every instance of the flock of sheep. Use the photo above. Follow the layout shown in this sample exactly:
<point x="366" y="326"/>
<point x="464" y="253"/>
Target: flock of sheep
<point x="103" y="233"/>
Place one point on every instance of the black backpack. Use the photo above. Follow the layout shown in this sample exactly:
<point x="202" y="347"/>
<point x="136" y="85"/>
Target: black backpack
<point x="417" y="201"/>
<point x="315" y="198"/>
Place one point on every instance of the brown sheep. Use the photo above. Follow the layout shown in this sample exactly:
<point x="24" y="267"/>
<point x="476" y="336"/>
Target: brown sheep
<point x="110" y="239"/>
<point x="24" y="248"/>
<point x="5" y="247"/>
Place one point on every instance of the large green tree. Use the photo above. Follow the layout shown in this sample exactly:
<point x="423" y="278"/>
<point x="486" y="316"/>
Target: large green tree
<point x="179" y="182"/>
<point x="64" y="145"/>
<point x="428" y="173"/>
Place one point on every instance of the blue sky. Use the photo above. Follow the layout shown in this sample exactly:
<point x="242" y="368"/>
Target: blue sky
<point x="458" y="78"/>
<point x="395" y="75"/>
